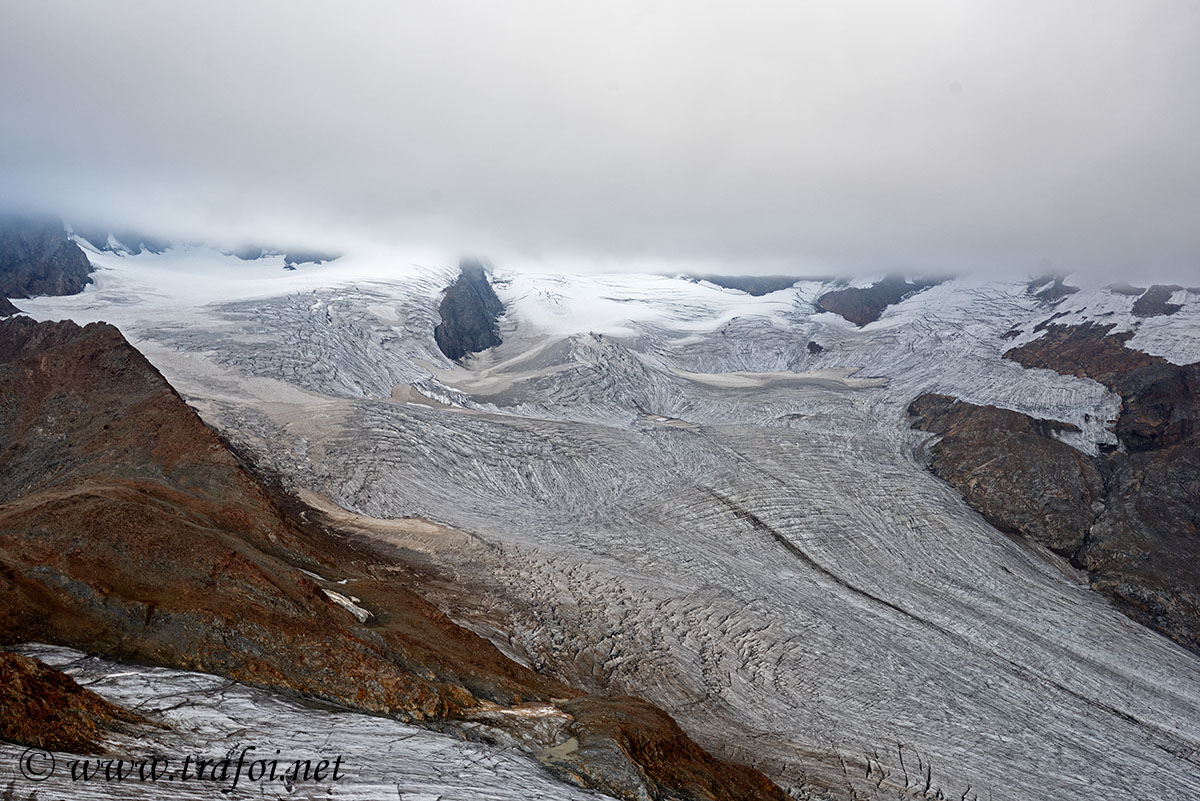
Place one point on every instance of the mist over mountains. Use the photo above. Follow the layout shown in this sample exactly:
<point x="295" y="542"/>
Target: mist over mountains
<point x="779" y="137"/>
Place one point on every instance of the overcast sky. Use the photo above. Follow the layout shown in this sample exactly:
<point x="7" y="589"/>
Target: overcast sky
<point x="834" y="136"/>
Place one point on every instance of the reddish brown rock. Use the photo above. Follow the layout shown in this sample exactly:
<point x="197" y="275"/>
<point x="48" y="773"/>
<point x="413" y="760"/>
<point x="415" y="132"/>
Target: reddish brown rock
<point x="624" y="743"/>
<point x="44" y="708"/>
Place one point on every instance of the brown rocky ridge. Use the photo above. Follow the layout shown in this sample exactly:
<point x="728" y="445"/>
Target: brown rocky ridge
<point x="42" y="707"/>
<point x="129" y="529"/>
<point x="1130" y="517"/>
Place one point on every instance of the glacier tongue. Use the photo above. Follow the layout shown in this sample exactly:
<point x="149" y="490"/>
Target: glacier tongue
<point x="770" y="562"/>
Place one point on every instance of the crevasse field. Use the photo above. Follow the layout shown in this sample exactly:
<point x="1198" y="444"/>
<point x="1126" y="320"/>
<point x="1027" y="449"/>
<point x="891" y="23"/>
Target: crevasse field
<point x="660" y="491"/>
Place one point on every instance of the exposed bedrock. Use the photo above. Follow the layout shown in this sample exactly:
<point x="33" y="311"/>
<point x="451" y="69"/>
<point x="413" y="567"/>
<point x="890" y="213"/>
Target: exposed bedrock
<point x="1012" y="470"/>
<point x="129" y="529"/>
<point x="469" y="312"/>
<point x="862" y="306"/>
<point x="1156" y="301"/>
<point x="130" y="242"/>
<point x="42" y="707"/>
<point x="1160" y="401"/>
<point x="1051" y="288"/>
<point x="1131" y="518"/>
<point x="7" y="309"/>
<point x="756" y="285"/>
<point x="37" y="258"/>
<point x="291" y="256"/>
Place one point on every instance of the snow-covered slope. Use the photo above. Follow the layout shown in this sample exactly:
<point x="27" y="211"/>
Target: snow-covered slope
<point x="763" y="554"/>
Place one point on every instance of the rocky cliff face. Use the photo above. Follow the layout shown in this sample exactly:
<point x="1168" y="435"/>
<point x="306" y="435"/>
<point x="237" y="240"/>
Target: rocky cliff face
<point x="1128" y="517"/>
<point x="1010" y="467"/>
<point x="128" y="529"/>
<point x="862" y="306"/>
<point x="37" y="258"/>
<point x="469" y="312"/>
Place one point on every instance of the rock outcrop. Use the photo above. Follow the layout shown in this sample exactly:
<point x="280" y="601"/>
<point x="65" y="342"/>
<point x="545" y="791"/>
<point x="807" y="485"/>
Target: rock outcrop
<point x="1012" y="469"/>
<point x="862" y="306"/>
<point x="1051" y="288"/>
<point x="469" y="312"/>
<point x="1131" y="518"/>
<point x="37" y="258"/>
<point x="7" y="309"/>
<point x="756" y="285"/>
<point x="130" y="242"/>
<point x="1160" y="401"/>
<point x="1156" y="301"/>
<point x="291" y="257"/>
<point x="42" y="707"/>
<point x="129" y="529"/>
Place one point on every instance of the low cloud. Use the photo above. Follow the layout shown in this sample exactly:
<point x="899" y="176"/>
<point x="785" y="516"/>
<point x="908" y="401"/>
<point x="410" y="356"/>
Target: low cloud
<point x="802" y="137"/>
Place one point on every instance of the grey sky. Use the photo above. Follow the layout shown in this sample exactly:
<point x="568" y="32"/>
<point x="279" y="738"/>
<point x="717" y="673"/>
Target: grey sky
<point x="836" y="136"/>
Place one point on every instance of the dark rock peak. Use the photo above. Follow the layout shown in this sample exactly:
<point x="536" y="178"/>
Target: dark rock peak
<point x="7" y="309"/>
<point x="862" y="306"/>
<point x="1051" y="288"/>
<point x="1155" y="301"/>
<point x="815" y="349"/>
<point x="130" y="242"/>
<point x="1123" y="288"/>
<point x="470" y="311"/>
<point x="38" y="258"/>
<point x="756" y="285"/>
<point x="291" y="257"/>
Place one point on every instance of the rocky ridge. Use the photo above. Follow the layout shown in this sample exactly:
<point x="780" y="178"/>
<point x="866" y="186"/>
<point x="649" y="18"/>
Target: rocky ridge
<point x="1128" y="516"/>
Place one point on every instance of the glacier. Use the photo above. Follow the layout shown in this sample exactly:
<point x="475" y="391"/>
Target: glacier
<point x="763" y="553"/>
